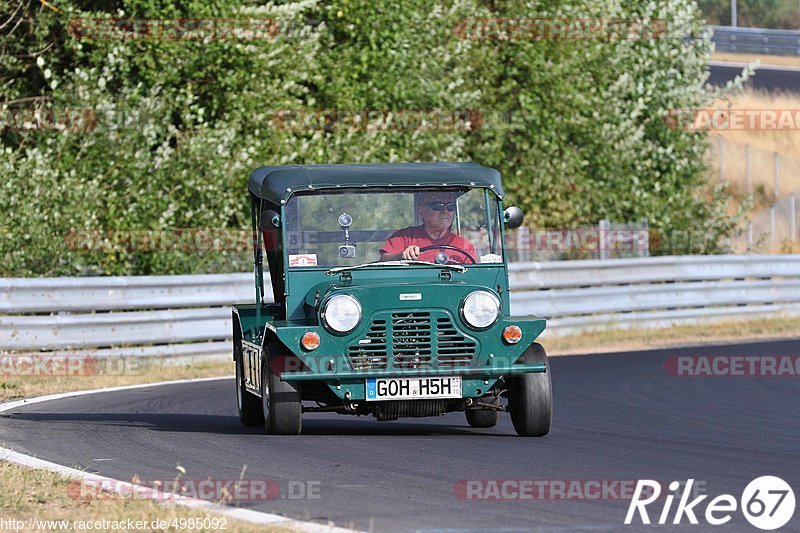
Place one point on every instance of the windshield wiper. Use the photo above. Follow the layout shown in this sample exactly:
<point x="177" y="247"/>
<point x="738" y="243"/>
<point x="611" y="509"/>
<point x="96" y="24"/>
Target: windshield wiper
<point x="403" y="262"/>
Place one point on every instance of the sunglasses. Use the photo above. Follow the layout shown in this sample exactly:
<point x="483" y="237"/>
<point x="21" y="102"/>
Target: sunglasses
<point x="438" y="206"/>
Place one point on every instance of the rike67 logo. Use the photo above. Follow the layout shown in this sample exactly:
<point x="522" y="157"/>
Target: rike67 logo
<point x="767" y="502"/>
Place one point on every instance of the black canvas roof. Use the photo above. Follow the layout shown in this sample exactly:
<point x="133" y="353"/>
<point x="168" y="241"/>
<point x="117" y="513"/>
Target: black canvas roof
<point x="277" y="183"/>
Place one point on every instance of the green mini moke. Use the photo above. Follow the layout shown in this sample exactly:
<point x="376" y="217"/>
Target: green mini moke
<point x="391" y="298"/>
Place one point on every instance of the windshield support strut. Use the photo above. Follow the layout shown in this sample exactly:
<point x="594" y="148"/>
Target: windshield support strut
<point x="257" y="259"/>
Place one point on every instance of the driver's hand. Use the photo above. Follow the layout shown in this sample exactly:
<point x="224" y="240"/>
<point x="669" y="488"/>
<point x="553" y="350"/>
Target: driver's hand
<point x="411" y="253"/>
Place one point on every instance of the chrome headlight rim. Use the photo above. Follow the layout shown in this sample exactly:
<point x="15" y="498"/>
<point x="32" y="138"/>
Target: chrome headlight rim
<point x="328" y="325"/>
<point x="464" y="318"/>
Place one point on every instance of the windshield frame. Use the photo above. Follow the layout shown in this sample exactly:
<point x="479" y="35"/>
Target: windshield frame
<point x="490" y="198"/>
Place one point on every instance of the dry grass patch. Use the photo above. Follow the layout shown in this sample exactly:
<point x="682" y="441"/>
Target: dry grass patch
<point x="695" y="334"/>
<point x="29" y="494"/>
<point x="112" y="373"/>
<point x="766" y="60"/>
<point x="763" y="145"/>
<point x="727" y="161"/>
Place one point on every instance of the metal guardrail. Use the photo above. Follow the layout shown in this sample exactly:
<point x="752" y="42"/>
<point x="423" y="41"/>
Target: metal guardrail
<point x="756" y="40"/>
<point x="190" y="315"/>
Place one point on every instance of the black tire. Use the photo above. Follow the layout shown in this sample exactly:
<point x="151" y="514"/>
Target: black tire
<point x="530" y="396"/>
<point x="250" y="410"/>
<point x="280" y="400"/>
<point x="483" y="418"/>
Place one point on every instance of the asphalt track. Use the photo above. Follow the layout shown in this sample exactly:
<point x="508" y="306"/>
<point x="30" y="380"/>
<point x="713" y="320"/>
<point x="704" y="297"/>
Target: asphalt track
<point x="766" y="78"/>
<point x="617" y="417"/>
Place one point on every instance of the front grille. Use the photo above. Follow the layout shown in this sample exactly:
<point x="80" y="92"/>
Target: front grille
<point x="370" y="353"/>
<point x="418" y="339"/>
<point x="412" y="346"/>
<point x="454" y="348"/>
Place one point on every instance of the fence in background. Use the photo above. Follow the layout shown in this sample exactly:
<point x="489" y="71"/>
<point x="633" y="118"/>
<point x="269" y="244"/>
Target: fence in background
<point x="773" y="180"/>
<point x="775" y="228"/>
<point x="190" y="315"/>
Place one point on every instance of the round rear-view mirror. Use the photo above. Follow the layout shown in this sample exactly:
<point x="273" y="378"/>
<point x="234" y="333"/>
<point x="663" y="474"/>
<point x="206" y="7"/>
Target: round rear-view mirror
<point x="513" y="217"/>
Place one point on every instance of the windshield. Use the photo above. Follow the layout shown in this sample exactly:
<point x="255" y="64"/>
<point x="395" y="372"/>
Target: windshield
<point x="354" y="227"/>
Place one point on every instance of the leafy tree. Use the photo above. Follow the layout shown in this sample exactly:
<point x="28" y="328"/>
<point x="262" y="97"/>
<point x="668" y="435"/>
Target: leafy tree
<point x="175" y="126"/>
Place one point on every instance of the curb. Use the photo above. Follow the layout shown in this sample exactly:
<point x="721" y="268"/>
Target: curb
<point x="121" y="487"/>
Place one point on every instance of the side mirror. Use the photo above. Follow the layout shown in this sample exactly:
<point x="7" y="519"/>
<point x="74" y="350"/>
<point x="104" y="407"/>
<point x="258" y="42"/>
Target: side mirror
<point x="270" y="220"/>
<point x="513" y="217"/>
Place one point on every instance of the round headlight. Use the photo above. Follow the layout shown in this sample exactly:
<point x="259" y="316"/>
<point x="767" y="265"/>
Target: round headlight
<point x="480" y="309"/>
<point x="342" y="313"/>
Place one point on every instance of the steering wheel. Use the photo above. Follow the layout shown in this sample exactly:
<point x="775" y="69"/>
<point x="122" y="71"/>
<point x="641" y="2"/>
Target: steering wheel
<point x="449" y="247"/>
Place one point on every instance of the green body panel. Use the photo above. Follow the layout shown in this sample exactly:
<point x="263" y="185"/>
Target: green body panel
<point x="491" y="357"/>
<point x="302" y="285"/>
<point x="252" y="325"/>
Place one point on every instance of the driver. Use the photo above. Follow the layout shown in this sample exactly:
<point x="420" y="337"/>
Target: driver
<point x="437" y="210"/>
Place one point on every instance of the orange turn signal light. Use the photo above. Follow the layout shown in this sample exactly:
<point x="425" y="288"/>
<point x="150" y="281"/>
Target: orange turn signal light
<point x="310" y="340"/>
<point x="512" y="334"/>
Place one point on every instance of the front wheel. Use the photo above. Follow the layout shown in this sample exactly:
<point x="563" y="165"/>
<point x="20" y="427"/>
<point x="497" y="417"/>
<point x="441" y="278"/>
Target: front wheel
<point x="530" y="396"/>
<point x="280" y="400"/>
<point x="483" y="418"/>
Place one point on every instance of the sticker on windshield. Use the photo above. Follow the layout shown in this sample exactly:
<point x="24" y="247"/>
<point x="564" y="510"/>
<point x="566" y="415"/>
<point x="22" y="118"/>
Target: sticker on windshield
<point x="491" y="258"/>
<point x="303" y="260"/>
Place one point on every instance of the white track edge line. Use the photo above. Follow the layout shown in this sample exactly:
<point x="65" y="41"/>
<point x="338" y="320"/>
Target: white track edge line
<point x="122" y="487"/>
<point x="763" y="66"/>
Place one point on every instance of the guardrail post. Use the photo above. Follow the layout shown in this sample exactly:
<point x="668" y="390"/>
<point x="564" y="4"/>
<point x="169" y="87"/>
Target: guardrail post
<point x="645" y="240"/>
<point x="748" y="182"/>
<point x="734" y="17"/>
<point x="523" y="243"/>
<point x="773" y="236"/>
<point x="603" y="234"/>
<point x="777" y="169"/>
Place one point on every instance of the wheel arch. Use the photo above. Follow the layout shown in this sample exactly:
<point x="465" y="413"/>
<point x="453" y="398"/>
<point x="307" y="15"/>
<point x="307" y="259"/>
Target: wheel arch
<point x="237" y="335"/>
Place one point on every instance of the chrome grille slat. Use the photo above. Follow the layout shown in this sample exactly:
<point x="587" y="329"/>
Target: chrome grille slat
<point x="416" y="339"/>
<point x="411" y="340"/>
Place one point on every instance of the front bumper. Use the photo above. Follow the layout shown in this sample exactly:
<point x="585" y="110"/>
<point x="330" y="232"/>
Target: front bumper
<point x="477" y="372"/>
<point x="484" y="360"/>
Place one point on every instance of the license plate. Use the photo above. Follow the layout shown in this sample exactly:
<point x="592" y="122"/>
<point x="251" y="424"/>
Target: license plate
<point x="413" y="388"/>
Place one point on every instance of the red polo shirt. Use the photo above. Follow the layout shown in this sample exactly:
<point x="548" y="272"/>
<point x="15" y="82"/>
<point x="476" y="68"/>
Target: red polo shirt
<point x="416" y="235"/>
